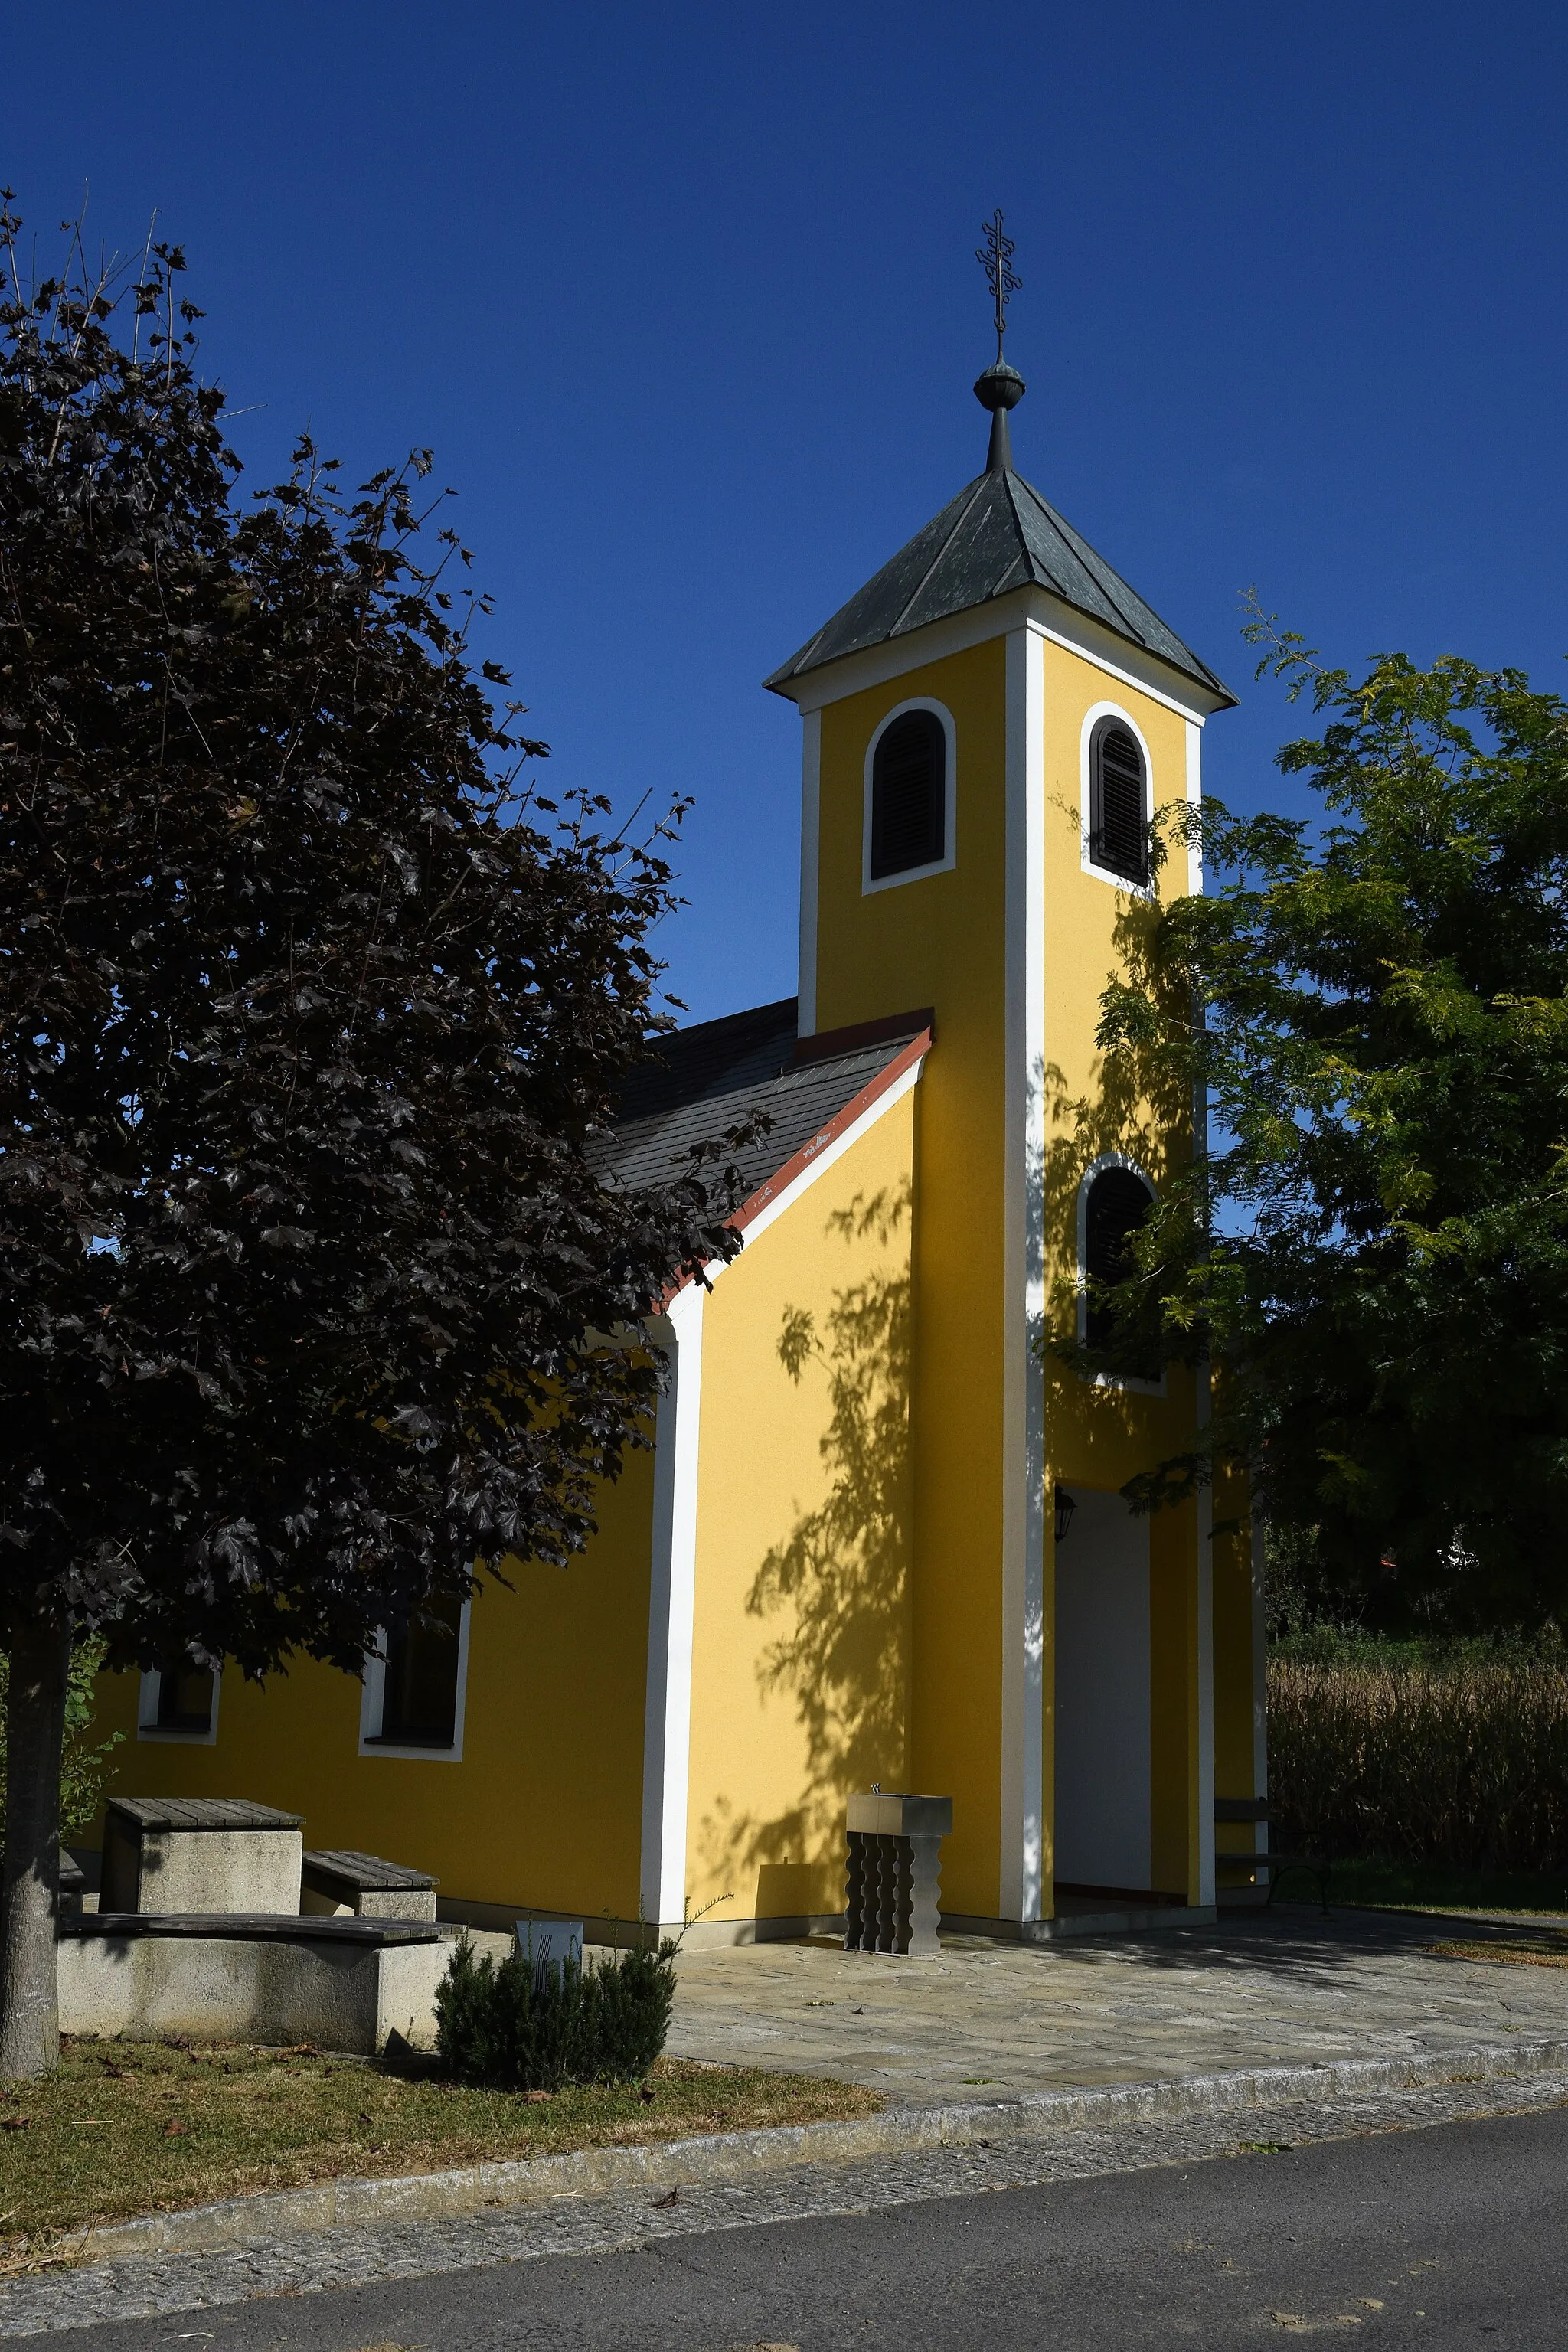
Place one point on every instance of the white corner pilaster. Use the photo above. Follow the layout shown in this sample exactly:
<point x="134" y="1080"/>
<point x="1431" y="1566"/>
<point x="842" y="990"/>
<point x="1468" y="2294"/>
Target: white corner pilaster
<point x="1024" y="1390"/>
<point x="1195" y="735"/>
<point x="667" y="1728"/>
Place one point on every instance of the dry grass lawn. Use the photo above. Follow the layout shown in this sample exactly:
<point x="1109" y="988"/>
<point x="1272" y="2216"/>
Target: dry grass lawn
<point x="141" y="2128"/>
<point x="1526" y="1952"/>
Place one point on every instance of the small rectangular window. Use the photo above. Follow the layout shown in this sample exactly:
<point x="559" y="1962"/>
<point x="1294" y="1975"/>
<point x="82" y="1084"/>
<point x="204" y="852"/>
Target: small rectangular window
<point x="185" y="1697"/>
<point x="419" y="1678"/>
<point x="178" y="1700"/>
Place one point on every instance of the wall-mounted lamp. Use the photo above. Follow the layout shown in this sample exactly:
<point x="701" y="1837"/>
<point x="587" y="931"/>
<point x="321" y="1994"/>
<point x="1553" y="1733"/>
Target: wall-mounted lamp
<point x="1066" y="1506"/>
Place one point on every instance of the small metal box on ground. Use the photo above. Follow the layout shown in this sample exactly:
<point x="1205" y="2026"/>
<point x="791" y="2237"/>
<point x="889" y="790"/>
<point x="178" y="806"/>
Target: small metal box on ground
<point x="550" y="1944"/>
<point x="340" y="1882"/>
<point x="895" y="1872"/>
<point x="209" y="1855"/>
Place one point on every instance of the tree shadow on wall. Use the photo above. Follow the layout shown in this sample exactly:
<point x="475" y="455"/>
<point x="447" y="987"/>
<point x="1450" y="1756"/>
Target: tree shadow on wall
<point x="838" y="1582"/>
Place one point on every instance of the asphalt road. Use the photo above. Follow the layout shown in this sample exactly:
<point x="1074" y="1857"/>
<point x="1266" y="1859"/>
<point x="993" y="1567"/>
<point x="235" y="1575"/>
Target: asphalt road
<point x="1454" y="2235"/>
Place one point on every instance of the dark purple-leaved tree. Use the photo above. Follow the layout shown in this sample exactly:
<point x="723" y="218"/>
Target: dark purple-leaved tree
<point x="311" y="1014"/>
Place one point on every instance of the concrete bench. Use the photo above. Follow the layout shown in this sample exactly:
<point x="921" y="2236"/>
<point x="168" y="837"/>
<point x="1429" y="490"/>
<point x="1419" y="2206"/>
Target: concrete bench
<point x="337" y="1883"/>
<point x="340" y="1984"/>
<point x="205" y="1854"/>
<point x="1276" y="1865"/>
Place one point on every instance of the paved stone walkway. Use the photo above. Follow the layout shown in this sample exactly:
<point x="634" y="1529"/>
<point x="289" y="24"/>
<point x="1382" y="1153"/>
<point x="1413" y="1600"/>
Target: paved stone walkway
<point x="1282" y="1988"/>
<point x="1285" y="1987"/>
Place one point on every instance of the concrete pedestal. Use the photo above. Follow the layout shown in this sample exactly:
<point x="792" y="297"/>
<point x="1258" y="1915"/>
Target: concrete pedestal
<point x="895" y="1872"/>
<point x="185" y="1854"/>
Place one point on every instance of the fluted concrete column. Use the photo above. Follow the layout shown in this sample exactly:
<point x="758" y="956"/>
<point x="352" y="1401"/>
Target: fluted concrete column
<point x="895" y="1873"/>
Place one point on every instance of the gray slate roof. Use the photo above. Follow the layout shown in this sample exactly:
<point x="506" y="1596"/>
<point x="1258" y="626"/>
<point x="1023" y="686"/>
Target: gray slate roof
<point x="719" y="1074"/>
<point x="998" y="534"/>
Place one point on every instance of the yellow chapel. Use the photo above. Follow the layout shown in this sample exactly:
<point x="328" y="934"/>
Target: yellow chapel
<point x="877" y="1538"/>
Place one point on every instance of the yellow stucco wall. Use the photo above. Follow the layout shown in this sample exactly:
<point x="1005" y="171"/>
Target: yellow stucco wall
<point x="543" y="1810"/>
<point x="1103" y="1435"/>
<point x="849" y="1604"/>
<point x="940" y="940"/>
<point x="799" y="1636"/>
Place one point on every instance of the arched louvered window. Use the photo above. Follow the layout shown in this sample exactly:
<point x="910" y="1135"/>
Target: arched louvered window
<point x="1119" y="804"/>
<point x="1119" y="1200"/>
<point x="908" y="795"/>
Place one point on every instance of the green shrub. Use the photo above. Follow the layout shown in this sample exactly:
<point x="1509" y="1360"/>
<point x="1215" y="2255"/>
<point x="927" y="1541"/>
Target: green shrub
<point x="606" y="2023"/>
<point x="634" y="1997"/>
<point x="84" y="1764"/>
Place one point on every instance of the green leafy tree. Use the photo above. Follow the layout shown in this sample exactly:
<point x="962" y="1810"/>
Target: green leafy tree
<point x="85" y="1764"/>
<point x="313" y="1015"/>
<point x="1376" y="1243"/>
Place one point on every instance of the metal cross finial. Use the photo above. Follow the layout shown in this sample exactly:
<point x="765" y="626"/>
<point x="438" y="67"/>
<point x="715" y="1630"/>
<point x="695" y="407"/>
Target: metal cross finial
<point x="995" y="257"/>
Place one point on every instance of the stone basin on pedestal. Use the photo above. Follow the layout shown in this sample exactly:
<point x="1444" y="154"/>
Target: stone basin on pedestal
<point x="895" y="1871"/>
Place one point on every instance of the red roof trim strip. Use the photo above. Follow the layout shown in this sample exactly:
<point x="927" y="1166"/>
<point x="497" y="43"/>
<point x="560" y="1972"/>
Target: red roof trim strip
<point x="830" y="1132"/>
<point x="913" y="1054"/>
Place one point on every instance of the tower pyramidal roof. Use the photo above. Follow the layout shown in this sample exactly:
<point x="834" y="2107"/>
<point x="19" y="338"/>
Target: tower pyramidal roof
<point x="997" y="535"/>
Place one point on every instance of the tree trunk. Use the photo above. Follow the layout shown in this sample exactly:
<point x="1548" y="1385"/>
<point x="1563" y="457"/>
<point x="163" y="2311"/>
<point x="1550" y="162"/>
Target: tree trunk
<point x="35" y="1718"/>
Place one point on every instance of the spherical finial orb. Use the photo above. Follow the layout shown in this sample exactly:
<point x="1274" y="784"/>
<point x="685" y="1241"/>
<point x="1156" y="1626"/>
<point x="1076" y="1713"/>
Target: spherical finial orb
<point x="1001" y="386"/>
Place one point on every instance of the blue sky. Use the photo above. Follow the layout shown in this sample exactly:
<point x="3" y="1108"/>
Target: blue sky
<point x="685" y="301"/>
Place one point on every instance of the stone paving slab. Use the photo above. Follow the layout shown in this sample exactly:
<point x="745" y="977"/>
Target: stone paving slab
<point x="158" y="2287"/>
<point x="1287" y="1986"/>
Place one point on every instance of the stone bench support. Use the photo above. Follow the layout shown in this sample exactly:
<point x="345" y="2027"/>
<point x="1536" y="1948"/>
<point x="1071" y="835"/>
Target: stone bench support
<point x="339" y="1984"/>
<point x="210" y="1854"/>
<point x="342" y="1883"/>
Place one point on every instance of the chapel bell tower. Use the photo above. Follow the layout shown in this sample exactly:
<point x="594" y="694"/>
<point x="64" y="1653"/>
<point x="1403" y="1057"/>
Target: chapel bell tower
<point x="990" y="727"/>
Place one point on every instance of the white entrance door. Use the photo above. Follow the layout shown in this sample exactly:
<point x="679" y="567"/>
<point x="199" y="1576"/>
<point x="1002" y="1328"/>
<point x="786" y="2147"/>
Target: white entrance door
<point x="1103" y="1831"/>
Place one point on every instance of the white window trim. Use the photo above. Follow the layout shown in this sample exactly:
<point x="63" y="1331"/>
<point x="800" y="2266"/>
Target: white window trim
<point x="1097" y="1167"/>
<point x="148" y="1725"/>
<point x="373" y="1699"/>
<point x="945" y="863"/>
<point x="1145" y="890"/>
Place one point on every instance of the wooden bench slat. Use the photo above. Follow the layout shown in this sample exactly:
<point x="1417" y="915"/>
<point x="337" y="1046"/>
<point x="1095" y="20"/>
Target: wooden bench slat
<point x="367" y="1871"/>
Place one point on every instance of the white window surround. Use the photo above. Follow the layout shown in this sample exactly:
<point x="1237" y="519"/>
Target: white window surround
<point x="148" y="1725"/>
<point x="373" y="1699"/>
<point x="1124" y="718"/>
<point x="944" y="864"/>
<point x="1097" y="1167"/>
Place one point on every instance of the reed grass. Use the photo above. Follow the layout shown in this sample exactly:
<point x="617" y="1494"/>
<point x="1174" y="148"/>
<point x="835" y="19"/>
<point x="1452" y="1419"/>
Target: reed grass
<point x="1453" y="1755"/>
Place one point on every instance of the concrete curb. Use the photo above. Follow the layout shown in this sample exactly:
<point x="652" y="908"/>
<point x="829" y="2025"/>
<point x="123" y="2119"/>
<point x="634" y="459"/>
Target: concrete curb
<point x="728" y="2157"/>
